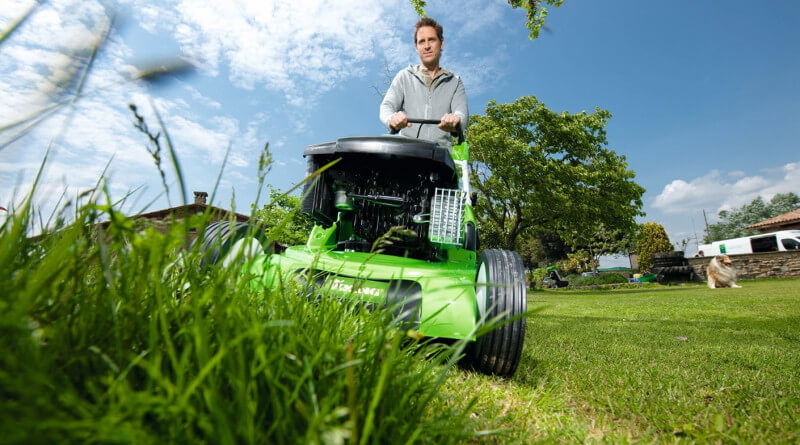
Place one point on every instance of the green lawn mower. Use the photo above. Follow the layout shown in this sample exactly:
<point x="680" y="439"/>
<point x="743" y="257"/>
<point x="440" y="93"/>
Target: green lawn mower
<point x="395" y="228"/>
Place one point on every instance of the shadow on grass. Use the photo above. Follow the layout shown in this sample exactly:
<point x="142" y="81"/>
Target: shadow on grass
<point x="530" y="371"/>
<point x="711" y="324"/>
<point x="650" y="288"/>
<point x="699" y="285"/>
<point x="561" y="344"/>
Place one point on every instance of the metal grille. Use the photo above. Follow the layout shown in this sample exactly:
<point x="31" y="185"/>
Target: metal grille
<point x="446" y="213"/>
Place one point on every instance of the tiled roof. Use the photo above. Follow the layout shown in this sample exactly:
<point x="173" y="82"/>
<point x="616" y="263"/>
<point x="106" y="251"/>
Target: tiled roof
<point x="786" y="218"/>
<point x="194" y="208"/>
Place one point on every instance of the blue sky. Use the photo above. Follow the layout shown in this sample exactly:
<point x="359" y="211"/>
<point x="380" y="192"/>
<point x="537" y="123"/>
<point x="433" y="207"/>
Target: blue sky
<point x="705" y="95"/>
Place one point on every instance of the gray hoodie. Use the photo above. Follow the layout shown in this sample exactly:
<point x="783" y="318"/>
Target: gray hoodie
<point x="410" y="94"/>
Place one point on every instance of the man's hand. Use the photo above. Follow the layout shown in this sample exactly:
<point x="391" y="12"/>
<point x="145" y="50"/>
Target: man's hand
<point x="450" y="122"/>
<point x="398" y="121"/>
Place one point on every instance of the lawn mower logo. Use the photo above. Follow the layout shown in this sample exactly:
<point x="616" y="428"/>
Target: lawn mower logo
<point x="350" y="288"/>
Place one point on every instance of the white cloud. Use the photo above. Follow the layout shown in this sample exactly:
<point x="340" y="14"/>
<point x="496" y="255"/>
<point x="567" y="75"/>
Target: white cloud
<point x="718" y="191"/>
<point x="199" y="98"/>
<point x="301" y="48"/>
<point x="98" y="127"/>
<point x="12" y="10"/>
<point x="463" y="20"/>
<point x="680" y="204"/>
<point x="478" y="73"/>
<point x="749" y="184"/>
<point x="680" y="196"/>
<point x="737" y="174"/>
<point x="192" y="138"/>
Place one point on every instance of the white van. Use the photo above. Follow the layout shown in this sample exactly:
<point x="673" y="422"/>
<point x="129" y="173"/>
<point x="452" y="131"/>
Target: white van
<point x="763" y="242"/>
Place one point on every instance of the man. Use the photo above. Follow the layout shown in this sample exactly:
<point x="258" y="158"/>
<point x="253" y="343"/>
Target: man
<point x="426" y="91"/>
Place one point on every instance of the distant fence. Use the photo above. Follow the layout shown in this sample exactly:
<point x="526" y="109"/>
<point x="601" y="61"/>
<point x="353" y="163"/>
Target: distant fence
<point x="756" y="265"/>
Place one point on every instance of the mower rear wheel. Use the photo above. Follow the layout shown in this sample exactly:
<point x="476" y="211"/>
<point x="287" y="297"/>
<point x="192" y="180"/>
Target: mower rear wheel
<point x="225" y="242"/>
<point x="501" y="294"/>
<point x="471" y="240"/>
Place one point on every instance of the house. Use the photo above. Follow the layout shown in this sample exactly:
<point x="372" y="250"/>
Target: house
<point x="162" y="219"/>
<point x="787" y="221"/>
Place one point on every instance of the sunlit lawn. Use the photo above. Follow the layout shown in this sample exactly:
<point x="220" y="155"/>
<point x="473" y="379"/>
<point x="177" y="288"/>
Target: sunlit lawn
<point x="132" y="347"/>
<point x="653" y="364"/>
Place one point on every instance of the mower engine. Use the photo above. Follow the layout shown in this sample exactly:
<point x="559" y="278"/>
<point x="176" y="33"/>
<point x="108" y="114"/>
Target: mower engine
<point x="381" y="188"/>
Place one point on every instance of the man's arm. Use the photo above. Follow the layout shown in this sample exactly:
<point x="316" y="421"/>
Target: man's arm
<point x="459" y="104"/>
<point x="459" y="113"/>
<point x="392" y="101"/>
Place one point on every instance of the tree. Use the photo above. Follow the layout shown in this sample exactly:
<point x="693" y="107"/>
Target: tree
<point x="540" y="249"/>
<point x="576" y="263"/>
<point x="282" y="219"/>
<point x="535" y="12"/>
<point x="733" y="222"/>
<point x="606" y="241"/>
<point x="537" y="170"/>
<point x="652" y="239"/>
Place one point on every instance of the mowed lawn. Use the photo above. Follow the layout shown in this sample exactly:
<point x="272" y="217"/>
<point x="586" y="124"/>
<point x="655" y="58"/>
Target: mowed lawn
<point x="662" y="363"/>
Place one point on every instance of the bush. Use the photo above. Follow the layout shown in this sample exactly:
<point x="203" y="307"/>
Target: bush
<point x="282" y="219"/>
<point x="652" y="239"/>
<point x="537" y="276"/>
<point x="612" y="278"/>
<point x="576" y="263"/>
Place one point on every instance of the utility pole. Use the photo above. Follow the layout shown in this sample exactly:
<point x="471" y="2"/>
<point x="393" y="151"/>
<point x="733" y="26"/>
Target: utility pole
<point x="706" y="220"/>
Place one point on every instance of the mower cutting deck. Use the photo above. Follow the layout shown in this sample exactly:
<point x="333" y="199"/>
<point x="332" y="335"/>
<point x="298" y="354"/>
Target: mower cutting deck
<point x="395" y="228"/>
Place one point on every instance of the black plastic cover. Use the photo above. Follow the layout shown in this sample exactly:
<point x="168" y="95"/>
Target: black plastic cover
<point x="387" y="145"/>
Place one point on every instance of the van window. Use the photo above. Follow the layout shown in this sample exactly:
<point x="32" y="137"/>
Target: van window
<point x="790" y="244"/>
<point x="767" y="244"/>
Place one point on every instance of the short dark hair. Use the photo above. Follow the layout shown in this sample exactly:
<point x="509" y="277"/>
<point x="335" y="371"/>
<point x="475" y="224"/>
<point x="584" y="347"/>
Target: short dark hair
<point x="427" y="21"/>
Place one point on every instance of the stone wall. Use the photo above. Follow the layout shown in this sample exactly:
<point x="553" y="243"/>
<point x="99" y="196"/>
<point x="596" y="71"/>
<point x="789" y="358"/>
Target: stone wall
<point x="756" y="265"/>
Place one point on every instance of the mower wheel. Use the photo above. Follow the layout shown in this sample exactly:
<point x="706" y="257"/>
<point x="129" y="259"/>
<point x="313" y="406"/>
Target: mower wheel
<point x="471" y="241"/>
<point x="225" y="242"/>
<point x="501" y="294"/>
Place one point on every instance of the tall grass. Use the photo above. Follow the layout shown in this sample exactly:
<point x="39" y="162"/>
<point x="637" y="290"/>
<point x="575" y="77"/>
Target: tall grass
<point x="106" y="338"/>
<point x="111" y="333"/>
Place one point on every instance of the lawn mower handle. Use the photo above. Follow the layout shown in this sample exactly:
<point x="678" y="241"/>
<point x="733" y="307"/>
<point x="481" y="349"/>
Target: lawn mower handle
<point x="459" y="134"/>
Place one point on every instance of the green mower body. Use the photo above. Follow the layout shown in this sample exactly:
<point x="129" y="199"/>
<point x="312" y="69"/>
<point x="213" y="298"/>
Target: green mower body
<point x="435" y="298"/>
<point x="430" y="285"/>
<point x="395" y="229"/>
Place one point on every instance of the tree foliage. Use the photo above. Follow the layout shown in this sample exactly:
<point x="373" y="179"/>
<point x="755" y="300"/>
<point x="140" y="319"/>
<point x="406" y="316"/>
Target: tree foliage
<point x="282" y="219"/>
<point x="537" y="170"/>
<point x="605" y="241"/>
<point x="733" y="223"/>
<point x="547" y="248"/>
<point x="576" y="263"/>
<point x="540" y="248"/>
<point x="535" y="12"/>
<point x="652" y="239"/>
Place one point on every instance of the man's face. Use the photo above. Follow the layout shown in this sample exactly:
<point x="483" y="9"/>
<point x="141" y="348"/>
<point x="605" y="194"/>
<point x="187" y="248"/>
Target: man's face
<point x="429" y="47"/>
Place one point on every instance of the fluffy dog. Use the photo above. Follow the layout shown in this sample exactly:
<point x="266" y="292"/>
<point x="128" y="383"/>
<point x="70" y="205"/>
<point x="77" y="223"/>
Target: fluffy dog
<point x="721" y="273"/>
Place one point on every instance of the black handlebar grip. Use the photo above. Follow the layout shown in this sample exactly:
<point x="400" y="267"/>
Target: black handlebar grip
<point x="459" y="134"/>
